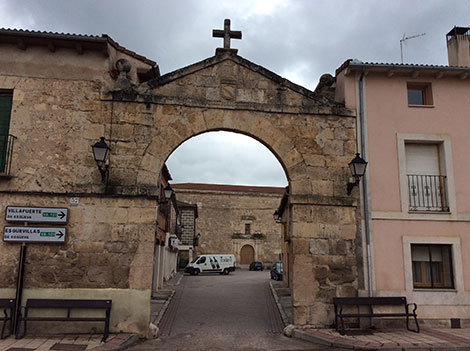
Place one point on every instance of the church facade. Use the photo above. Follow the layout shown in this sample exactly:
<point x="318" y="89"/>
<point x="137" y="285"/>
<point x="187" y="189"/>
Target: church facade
<point x="235" y="220"/>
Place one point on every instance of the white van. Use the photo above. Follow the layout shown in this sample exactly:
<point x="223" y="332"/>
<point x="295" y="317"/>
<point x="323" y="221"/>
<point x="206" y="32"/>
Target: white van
<point x="215" y="263"/>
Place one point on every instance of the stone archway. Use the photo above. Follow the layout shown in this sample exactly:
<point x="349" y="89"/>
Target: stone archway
<point x="247" y="254"/>
<point x="312" y="137"/>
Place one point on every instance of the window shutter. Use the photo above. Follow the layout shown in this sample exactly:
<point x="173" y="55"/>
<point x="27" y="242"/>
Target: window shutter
<point x="5" y="112"/>
<point x="422" y="159"/>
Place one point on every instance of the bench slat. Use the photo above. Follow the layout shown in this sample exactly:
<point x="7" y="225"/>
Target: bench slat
<point x="7" y="303"/>
<point x="386" y="300"/>
<point x="64" y="319"/>
<point x="351" y="315"/>
<point x="53" y="303"/>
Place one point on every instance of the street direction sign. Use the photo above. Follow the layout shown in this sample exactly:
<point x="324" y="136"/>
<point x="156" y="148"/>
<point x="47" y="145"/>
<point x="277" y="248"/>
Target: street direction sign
<point x="34" y="234"/>
<point x="36" y="214"/>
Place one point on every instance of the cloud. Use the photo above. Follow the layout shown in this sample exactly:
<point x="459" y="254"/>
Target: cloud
<point x="225" y="158"/>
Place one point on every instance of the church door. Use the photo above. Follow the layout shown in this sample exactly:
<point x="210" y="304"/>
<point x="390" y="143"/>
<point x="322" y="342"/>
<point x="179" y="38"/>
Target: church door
<point x="247" y="254"/>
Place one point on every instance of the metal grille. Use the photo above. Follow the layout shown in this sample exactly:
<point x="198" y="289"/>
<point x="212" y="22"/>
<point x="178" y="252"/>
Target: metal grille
<point x="6" y="152"/>
<point x="427" y="193"/>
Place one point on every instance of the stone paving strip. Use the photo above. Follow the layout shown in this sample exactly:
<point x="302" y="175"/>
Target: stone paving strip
<point x="114" y="342"/>
<point x="391" y="339"/>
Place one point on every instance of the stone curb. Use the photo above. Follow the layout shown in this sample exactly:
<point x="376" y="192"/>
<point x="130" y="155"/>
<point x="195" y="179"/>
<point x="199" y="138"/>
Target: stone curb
<point x="352" y="345"/>
<point x="285" y="319"/>
<point x="164" y="308"/>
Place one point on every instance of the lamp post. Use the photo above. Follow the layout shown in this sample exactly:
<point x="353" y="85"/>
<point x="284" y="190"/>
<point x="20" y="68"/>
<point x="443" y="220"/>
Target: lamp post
<point x="101" y="154"/>
<point x="358" y="168"/>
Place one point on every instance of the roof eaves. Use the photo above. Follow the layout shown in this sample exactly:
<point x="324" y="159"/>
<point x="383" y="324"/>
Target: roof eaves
<point x="103" y="39"/>
<point x="356" y="64"/>
<point x="52" y="35"/>
<point x="128" y="52"/>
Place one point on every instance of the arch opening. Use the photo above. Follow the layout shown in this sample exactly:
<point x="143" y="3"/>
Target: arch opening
<point x="227" y="186"/>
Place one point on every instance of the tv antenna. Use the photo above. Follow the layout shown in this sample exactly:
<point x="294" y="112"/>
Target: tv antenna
<point x="402" y="40"/>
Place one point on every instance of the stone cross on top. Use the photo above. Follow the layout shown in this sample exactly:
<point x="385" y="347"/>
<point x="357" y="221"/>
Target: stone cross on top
<point x="227" y="34"/>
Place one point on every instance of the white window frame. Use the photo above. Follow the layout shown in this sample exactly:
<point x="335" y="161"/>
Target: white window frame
<point x="444" y="141"/>
<point x="454" y="242"/>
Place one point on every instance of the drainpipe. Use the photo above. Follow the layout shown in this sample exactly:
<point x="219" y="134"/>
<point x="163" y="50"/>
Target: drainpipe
<point x="364" y="182"/>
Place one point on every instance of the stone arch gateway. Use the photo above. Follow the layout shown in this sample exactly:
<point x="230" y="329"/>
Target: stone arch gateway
<point x="312" y="136"/>
<point x="110" y="234"/>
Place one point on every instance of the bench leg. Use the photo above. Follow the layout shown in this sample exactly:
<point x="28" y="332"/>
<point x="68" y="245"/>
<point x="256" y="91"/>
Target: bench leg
<point x="106" y="325"/>
<point x="336" y="318"/>
<point x="408" y="314"/>
<point x="408" y="324"/>
<point x="3" y="329"/>
<point x="342" y="325"/>
<point x="18" y="323"/>
<point x="5" y="320"/>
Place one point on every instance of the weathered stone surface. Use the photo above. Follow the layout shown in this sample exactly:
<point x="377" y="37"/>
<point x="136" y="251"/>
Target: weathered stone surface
<point x="111" y="232"/>
<point x="224" y="212"/>
<point x="319" y="247"/>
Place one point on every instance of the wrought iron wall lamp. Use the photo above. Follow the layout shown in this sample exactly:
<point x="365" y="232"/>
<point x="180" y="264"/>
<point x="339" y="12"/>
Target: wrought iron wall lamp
<point x="358" y="169"/>
<point x="101" y="155"/>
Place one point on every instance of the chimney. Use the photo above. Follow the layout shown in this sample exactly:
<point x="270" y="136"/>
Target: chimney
<point x="458" y="47"/>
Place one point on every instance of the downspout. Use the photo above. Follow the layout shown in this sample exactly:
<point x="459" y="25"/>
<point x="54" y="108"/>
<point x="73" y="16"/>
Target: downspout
<point x="364" y="182"/>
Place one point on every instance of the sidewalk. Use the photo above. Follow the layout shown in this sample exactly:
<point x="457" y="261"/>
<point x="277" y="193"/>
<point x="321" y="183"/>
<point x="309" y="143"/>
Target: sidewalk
<point x="444" y="339"/>
<point x="114" y="342"/>
<point x="391" y="339"/>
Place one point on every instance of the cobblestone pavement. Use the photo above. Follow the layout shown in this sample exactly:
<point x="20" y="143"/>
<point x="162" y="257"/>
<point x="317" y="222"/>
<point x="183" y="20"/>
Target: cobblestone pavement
<point x="219" y="312"/>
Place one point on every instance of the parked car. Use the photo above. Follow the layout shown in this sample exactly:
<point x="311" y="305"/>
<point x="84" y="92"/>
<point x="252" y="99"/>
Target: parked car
<point x="276" y="271"/>
<point x="256" y="266"/>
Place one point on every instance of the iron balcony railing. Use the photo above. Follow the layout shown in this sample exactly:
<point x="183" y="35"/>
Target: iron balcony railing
<point x="428" y="193"/>
<point x="6" y="153"/>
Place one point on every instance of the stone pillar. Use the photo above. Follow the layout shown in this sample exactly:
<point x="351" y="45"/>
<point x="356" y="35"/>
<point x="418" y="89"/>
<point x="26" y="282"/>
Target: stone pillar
<point x="323" y="253"/>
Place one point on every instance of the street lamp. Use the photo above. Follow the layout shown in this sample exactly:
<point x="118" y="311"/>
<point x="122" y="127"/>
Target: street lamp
<point x="101" y="154"/>
<point x="358" y="169"/>
<point x="167" y="192"/>
<point x="277" y="217"/>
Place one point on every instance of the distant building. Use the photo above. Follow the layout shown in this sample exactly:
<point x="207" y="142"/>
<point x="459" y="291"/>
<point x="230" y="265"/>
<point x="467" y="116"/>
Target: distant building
<point x="235" y="219"/>
<point x="188" y="214"/>
<point x="166" y="238"/>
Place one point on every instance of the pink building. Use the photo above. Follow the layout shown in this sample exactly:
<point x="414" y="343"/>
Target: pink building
<point x="413" y="129"/>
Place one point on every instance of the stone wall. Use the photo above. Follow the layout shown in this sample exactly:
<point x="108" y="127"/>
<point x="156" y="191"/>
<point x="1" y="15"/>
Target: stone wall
<point x="108" y="250"/>
<point x="223" y="214"/>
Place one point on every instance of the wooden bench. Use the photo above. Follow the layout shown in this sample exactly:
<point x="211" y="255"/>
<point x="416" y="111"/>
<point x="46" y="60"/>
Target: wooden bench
<point x="68" y="305"/>
<point x="340" y="302"/>
<point x="7" y="305"/>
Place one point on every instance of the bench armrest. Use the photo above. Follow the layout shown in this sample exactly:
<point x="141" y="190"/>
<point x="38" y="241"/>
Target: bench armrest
<point x="415" y="307"/>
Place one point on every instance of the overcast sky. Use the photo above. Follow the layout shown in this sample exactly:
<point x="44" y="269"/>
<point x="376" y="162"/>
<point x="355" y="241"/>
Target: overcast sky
<point x="297" y="39"/>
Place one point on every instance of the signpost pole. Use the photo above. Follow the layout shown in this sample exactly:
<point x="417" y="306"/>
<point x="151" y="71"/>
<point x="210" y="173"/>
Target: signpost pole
<point x="19" y="290"/>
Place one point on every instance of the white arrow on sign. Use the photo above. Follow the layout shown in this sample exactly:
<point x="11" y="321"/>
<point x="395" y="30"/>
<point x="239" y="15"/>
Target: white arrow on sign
<point x="34" y="234"/>
<point x="36" y="214"/>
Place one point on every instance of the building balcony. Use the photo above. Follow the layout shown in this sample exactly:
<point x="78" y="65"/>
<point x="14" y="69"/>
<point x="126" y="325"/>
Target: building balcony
<point x="427" y="193"/>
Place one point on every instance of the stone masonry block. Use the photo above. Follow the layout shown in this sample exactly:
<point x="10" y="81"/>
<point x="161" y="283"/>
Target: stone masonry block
<point x="319" y="246"/>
